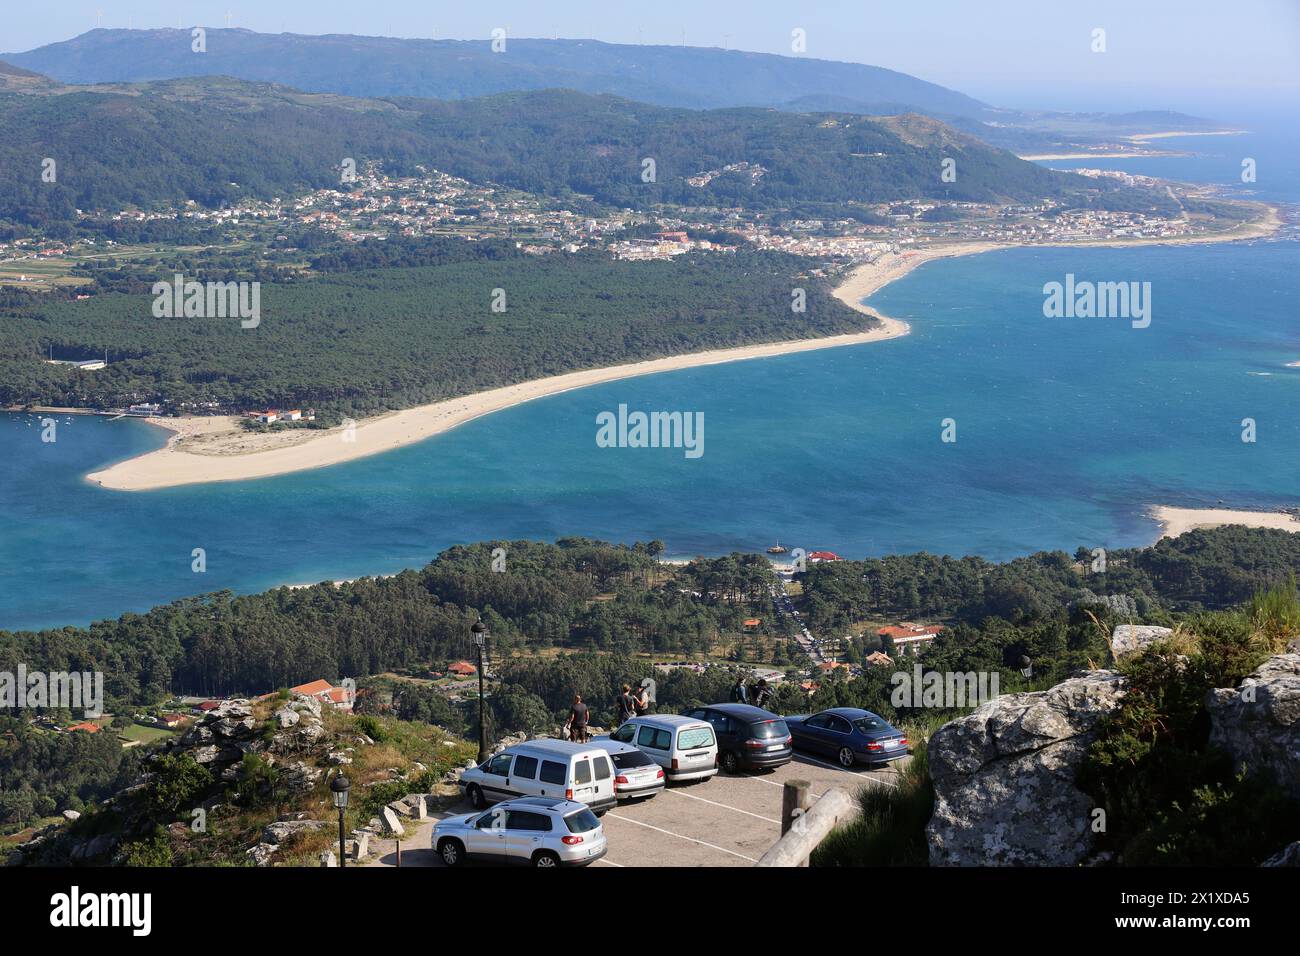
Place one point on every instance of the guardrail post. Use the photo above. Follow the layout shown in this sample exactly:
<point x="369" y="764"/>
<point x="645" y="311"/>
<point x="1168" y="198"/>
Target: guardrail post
<point x="795" y="800"/>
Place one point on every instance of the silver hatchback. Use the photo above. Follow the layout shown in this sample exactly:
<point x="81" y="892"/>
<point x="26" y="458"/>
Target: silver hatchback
<point x="533" y="831"/>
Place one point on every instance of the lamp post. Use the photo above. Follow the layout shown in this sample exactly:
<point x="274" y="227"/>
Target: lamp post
<point x="479" y="630"/>
<point x="339" y="787"/>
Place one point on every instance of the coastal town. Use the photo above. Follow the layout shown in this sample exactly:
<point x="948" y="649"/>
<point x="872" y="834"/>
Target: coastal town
<point x="375" y="206"/>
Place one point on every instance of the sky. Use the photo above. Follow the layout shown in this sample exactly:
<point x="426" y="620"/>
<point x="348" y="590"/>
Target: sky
<point x="1208" y="57"/>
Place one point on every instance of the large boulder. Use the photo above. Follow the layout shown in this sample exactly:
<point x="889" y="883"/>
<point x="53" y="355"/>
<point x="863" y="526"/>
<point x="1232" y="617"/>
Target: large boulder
<point x="1004" y="777"/>
<point x="1131" y="638"/>
<point x="1258" y="723"/>
<point x="282" y="831"/>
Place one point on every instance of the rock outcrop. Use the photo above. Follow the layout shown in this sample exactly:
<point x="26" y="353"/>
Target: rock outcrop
<point x="1131" y="638"/>
<point x="1004" y="777"/>
<point x="1258" y="723"/>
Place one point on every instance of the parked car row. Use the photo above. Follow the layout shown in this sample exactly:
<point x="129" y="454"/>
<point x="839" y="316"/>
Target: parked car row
<point x="538" y="802"/>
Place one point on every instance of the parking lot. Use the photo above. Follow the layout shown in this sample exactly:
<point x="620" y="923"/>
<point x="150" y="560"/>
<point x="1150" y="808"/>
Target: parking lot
<point x="725" y="821"/>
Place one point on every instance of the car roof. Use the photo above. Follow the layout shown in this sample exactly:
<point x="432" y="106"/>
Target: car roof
<point x="667" y="720"/>
<point x="613" y="746"/>
<point x="544" y="803"/>
<point x="852" y="713"/>
<point x="743" y="711"/>
<point x="549" y="745"/>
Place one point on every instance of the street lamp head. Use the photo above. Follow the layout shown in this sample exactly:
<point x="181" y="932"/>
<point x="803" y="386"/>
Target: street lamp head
<point x="339" y="788"/>
<point x="479" y="630"/>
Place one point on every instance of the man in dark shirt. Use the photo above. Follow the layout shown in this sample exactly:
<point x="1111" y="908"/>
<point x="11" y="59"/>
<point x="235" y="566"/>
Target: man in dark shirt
<point x="626" y="706"/>
<point x="578" y="720"/>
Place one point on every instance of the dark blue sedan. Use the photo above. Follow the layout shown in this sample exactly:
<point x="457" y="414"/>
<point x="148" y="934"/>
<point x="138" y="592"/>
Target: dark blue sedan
<point x="848" y="734"/>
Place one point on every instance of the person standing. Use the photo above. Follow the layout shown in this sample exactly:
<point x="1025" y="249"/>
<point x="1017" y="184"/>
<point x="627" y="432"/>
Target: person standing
<point x="740" y="693"/>
<point x="641" y="701"/>
<point x="578" y="720"/>
<point x="625" y="706"/>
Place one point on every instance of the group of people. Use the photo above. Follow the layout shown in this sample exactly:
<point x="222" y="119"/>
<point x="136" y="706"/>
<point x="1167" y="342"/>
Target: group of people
<point x="758" y="695"/>
<point x="636" y="703"/>
<point x="629" y="703"/>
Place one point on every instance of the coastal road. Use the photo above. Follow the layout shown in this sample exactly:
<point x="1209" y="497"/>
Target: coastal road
<point x="725" y="821"/>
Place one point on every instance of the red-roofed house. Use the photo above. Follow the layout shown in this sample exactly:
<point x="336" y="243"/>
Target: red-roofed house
<point x="911" y="638"/>
<point x="816" y="556"/>
<point x="313" y="689"/>
<point x="340" y="697"/>
<point x="462" y="669"/>
<point x="208" y="705"/>
<point x="87" y="726"/>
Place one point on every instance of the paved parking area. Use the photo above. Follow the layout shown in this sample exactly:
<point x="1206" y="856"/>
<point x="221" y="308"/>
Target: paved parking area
<point x="724" y="821"/>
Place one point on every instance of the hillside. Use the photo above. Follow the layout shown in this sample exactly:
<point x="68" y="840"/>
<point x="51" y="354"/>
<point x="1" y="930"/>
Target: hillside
<point x="215" y="141"/>
<point x="246" y="784"/>
<point x="695" y="77"/>
<point x="681" y="76"/>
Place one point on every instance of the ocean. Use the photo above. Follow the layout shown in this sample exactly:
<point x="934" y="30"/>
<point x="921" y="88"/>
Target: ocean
<point x="1067" y="431"/>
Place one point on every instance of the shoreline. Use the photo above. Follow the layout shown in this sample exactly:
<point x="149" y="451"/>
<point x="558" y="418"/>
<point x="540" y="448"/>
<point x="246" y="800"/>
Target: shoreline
<point x="249" y="456"/>
<point x="172" y="466"/>
<point x="1176" y="521"/>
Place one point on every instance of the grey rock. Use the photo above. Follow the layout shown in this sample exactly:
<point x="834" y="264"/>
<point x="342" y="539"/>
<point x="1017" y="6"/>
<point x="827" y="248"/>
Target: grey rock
<point x="231" y="727"/>
<point x="71" y="815"/>
<point x="1258" y="723"/>
<point x="286" y="717"/>
<point x="1288" y="856"/>
<point x="285" y="830"/>
<point x="392" y="824"/>
<point x="1004" y="777"/>
<point x="338" y="758"/>
<point x="1131" y="638"/>
<point x="300" y="778"/>
<point x="262" y="853"/>
<point x="328" y="859"/>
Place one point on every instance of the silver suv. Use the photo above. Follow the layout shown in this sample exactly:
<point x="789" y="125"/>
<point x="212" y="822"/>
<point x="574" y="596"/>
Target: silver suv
<point x="535" y="831"/>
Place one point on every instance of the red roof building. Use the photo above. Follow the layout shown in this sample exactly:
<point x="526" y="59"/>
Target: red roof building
<point x="910" y="638"/>
<point x="815" y="556"/>
<point x="88" y="727"/>
<point x="462" y="669"/>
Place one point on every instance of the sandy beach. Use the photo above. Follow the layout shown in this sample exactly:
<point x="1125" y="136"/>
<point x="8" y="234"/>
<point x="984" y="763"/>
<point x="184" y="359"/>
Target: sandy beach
<point x="1175" y="521"/>
<point x="216" y="448"/>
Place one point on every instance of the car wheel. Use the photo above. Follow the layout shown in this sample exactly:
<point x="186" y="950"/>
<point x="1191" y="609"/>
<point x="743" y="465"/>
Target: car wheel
<point x="545" y="858"/>
<point x="452" y="853"/>
<point x="847" y="758"/>
<point x="730" y="762"/>
<point x="476" y="798"/>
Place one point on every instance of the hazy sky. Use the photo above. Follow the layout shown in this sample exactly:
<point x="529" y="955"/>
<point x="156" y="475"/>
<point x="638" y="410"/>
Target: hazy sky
<point x="1207" y="56"/>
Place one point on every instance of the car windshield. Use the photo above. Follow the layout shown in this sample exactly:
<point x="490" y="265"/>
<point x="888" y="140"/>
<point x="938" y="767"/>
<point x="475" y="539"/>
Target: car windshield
<point x="870" y="724"/>
<point x="584" y="821"/>
<point x="693" y="737"/>
<point x="766" y="729"/>
<point x="631" y="761"/>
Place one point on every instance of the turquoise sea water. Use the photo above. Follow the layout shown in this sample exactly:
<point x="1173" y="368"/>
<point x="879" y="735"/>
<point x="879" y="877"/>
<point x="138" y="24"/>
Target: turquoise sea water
<point x="1067" y="430"/>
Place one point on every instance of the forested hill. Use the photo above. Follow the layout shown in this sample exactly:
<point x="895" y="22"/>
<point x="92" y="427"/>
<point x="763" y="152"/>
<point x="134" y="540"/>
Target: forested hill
<point x="689" y="76"/>
<point x="217" y="140"/>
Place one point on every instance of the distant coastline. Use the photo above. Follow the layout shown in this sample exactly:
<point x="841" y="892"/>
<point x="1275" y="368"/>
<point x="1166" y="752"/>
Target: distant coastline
<point x="222" y="452"/>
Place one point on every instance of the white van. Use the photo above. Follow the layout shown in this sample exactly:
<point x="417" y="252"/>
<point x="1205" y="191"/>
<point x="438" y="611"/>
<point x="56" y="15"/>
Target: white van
<point x="543" y="768"/>
<point x="685" y="747"/>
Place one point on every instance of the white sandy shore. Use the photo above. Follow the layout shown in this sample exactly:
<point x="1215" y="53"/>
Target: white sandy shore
<point x="1175" y="521"/>
<point x="173" y="465"/>
<point x="207" y="449"/>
